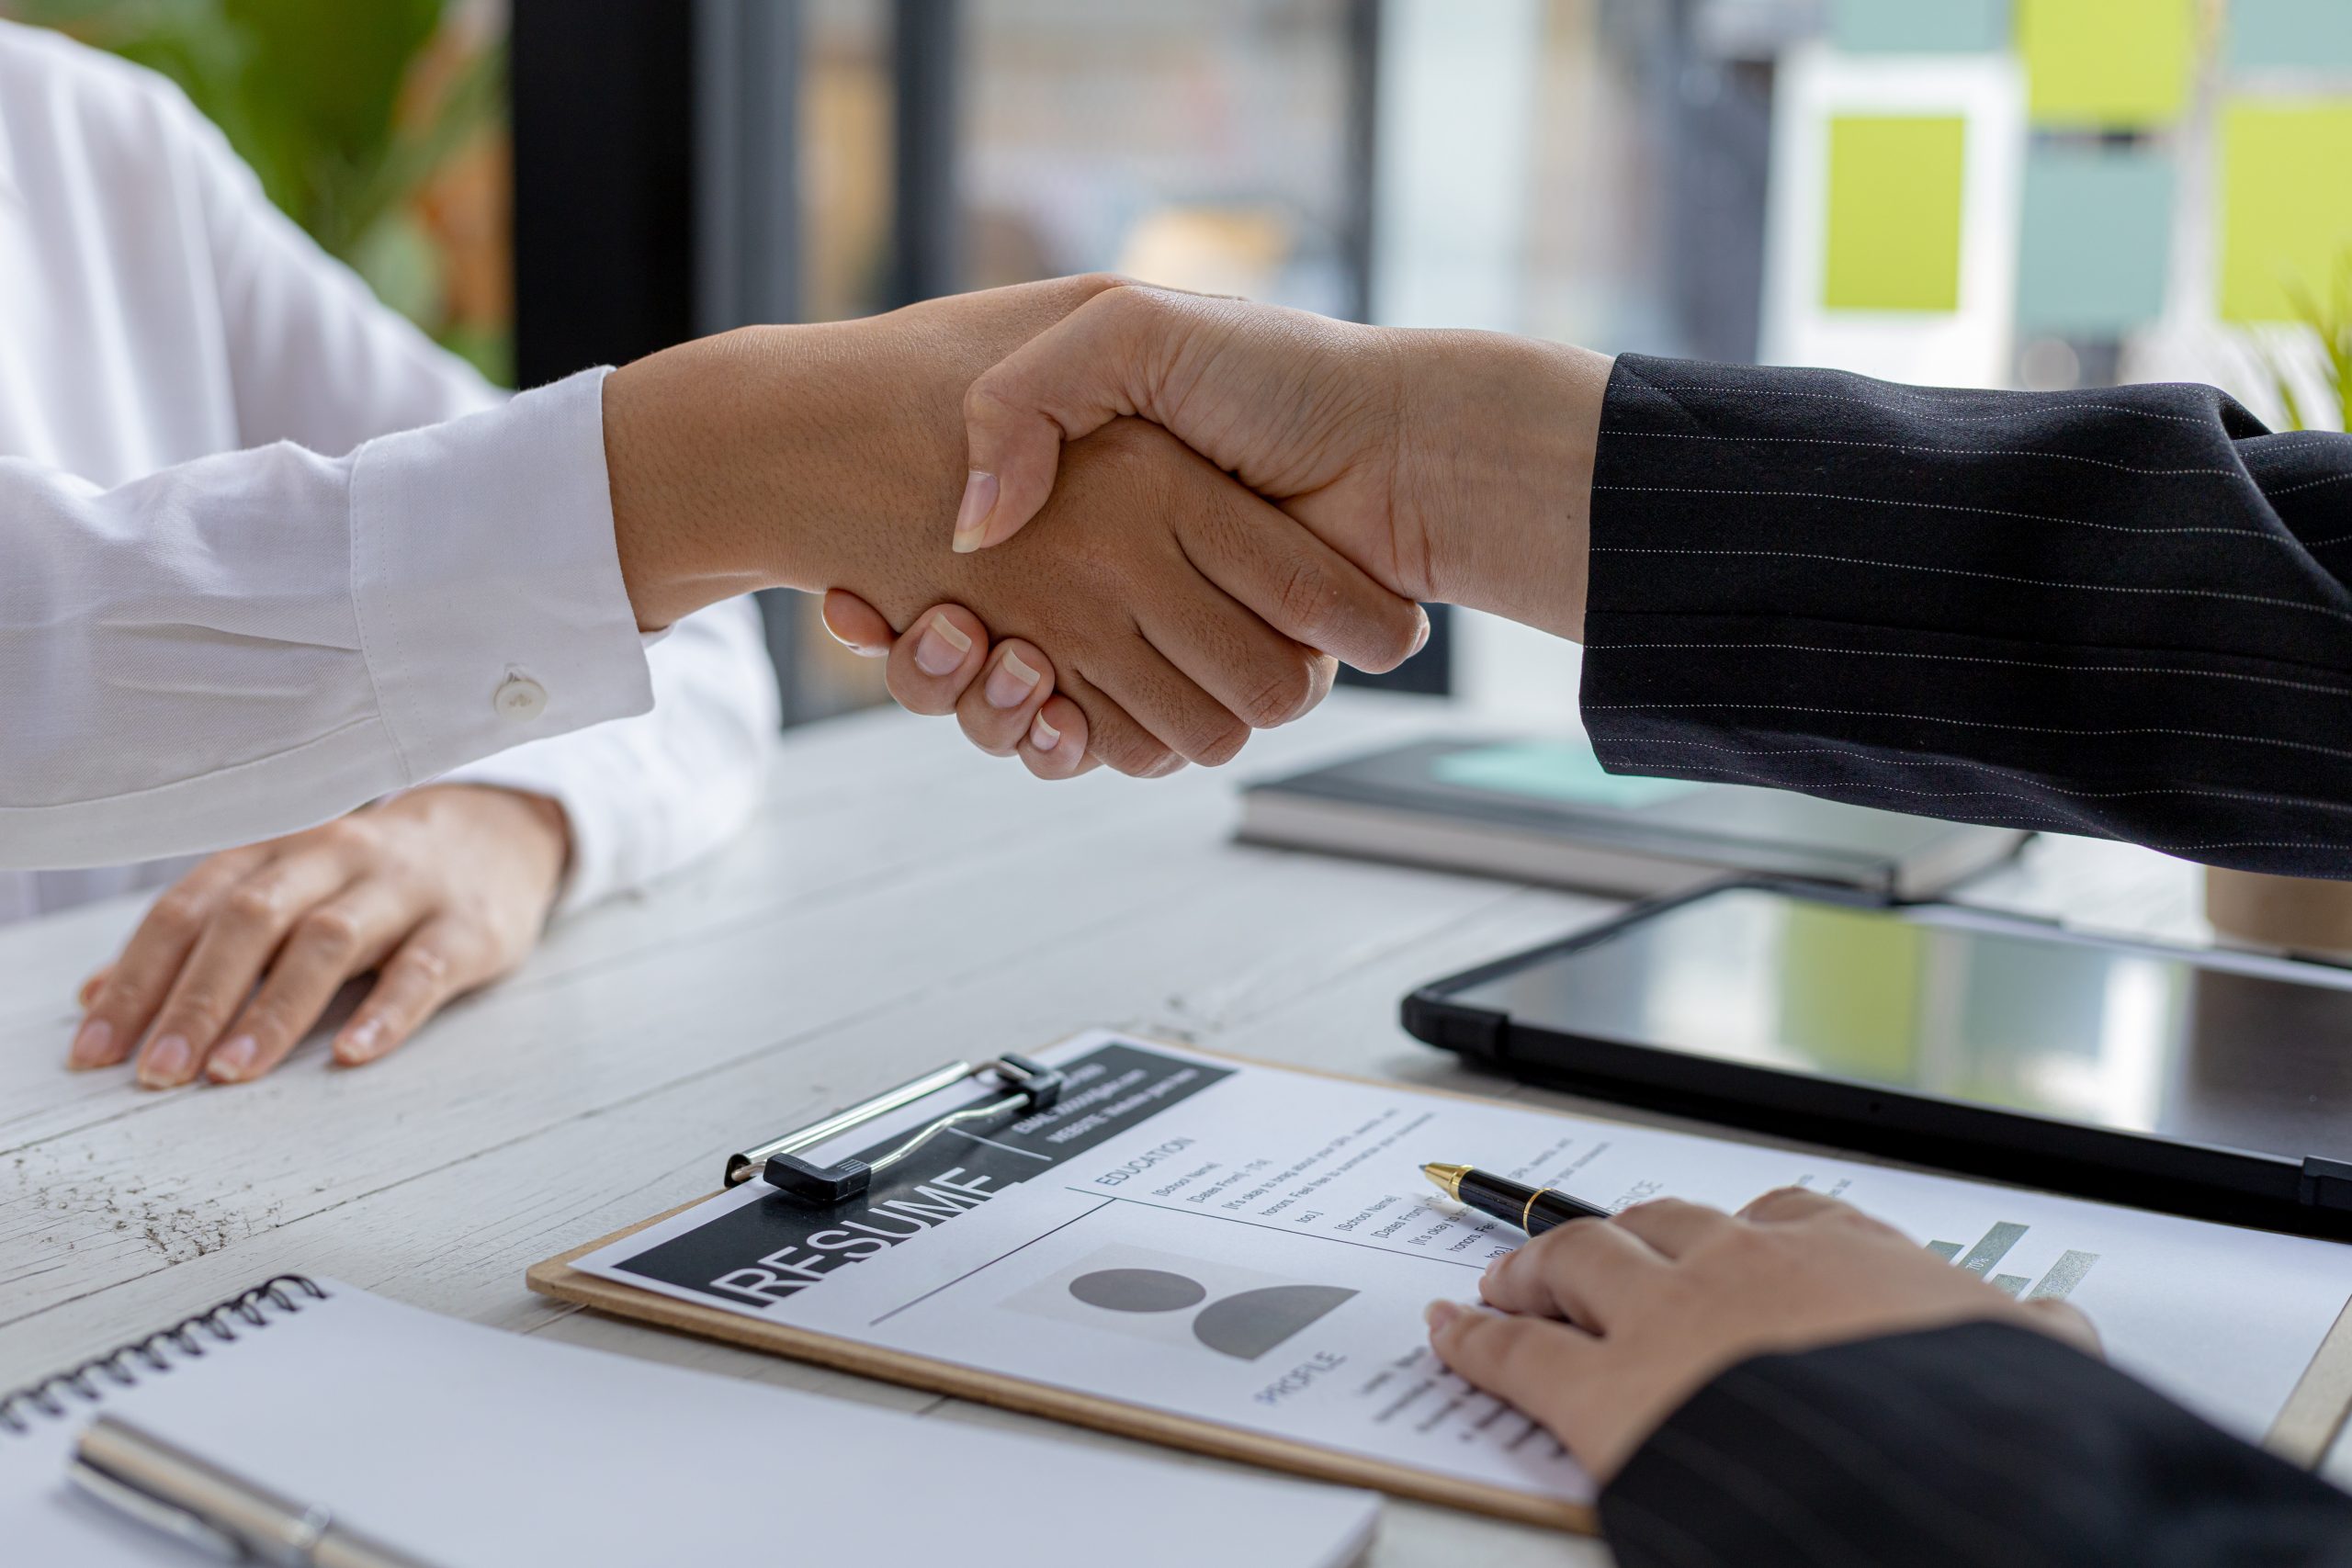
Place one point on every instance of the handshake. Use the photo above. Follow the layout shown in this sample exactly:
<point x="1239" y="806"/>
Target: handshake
<point x="1173" y="514"/>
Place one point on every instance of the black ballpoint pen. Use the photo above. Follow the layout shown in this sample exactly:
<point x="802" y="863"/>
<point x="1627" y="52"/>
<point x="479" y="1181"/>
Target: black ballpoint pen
<point x="1532" y="1209"/>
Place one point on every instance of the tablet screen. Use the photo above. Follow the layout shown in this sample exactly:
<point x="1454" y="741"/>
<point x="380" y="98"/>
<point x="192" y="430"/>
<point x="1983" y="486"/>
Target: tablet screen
<point x="2215" y="1049"/>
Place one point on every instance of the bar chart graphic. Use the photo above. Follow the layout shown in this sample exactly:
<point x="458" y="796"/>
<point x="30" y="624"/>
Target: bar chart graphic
<point x="2057" y="1282"/>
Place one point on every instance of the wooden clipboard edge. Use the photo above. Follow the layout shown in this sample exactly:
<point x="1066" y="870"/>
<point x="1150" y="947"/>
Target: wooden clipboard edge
<point x="2309" y="1422"/>
<point x="557" y="1276"/>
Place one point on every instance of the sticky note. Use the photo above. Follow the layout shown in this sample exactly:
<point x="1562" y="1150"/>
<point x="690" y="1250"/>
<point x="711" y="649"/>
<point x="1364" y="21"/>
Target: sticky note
<point x="1893" y="212"/>
<point x="2105" y="64"/>
<point x="2306" y="34"/>
<point x="1564" y="771"/>
<point x="2286" y="196"/>
<point x="2093" y="240"/>
<point x="1919" y="27"/>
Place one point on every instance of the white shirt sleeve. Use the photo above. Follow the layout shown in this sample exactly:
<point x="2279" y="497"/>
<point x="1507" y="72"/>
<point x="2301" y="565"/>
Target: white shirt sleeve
<point x="247" y="644"/>
<point x="644" y="795"/>
<point x="647" y="796"/>
<point x="243" y="645"/>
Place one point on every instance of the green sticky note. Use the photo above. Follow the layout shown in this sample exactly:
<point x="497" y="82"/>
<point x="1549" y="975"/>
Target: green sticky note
<point x="2093" y="240"/>
<point x="1555" y="770"/>
<point x="1893" y="217"/>
<point x="2303" y="34"/>
<point x="2107" y="63"/>
<point x="2285" y="203"/>
<point x="1919" y="27"/>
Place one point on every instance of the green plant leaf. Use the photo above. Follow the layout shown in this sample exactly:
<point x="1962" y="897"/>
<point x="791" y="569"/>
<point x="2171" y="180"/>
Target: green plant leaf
<point x="2282" y="384"/>
<point x="473" y="102"/>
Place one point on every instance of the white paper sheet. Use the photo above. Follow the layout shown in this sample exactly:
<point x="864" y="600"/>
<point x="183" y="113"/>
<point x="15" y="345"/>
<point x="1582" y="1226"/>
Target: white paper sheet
<point x="1254" y="1246"/>
<point x="477" y="1448"/>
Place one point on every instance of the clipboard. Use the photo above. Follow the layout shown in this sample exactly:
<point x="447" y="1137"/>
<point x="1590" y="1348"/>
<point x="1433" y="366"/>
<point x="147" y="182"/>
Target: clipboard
<point x="2303" y="1432"/>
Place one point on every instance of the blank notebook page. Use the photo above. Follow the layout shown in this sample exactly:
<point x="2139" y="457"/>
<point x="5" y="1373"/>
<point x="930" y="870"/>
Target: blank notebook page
<point x="479" y="1448"/>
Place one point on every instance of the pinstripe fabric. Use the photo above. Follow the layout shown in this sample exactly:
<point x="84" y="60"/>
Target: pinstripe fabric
<point x="1977" y="1445"/>
<point x="2126" y="612"/>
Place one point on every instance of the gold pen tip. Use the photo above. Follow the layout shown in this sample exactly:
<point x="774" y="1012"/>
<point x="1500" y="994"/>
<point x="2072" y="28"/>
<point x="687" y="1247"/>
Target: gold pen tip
<point x="1446" y="1179"/>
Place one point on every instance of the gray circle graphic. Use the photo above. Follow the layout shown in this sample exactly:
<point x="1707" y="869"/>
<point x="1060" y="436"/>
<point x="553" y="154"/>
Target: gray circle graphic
<point x="1137" y="1290"/>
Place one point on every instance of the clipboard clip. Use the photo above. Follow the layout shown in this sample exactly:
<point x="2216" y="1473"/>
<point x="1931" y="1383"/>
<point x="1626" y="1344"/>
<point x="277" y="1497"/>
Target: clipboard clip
<point x="1027" y="1087"/>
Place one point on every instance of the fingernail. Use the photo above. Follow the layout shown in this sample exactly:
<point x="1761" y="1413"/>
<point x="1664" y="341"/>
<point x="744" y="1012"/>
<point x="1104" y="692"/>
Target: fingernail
<point x="863" y="649"/>
<point x="1009" y="685"/>
<point x="91" y="1043"/>
<point x="972" y="516"/>
<point x="232" y="1060"/>
<point x="942" y="649"/>
<point x="165" y="1064"/>
<point x="1044" y="736"/>
<point x="1421" y="638"/>
<point x="1436" y="1314"/>
<point x="358" y="1042"/>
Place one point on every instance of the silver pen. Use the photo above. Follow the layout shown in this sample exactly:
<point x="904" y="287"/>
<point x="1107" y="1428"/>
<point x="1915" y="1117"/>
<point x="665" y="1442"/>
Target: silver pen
<point x="202" y="1505"/>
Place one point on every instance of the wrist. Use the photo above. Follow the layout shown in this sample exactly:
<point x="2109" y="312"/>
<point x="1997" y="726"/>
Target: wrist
<point x="536" y="829"/>
<point x="1498" y="472"/>
<point x="800" y="457"/>
<point x="687" y="444"/>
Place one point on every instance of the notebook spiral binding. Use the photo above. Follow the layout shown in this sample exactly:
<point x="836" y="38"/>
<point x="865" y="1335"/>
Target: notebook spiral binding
<point x="121" y="1366"/>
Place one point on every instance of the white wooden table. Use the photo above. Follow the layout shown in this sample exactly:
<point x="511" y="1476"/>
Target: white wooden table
<point x="900" y="900"/>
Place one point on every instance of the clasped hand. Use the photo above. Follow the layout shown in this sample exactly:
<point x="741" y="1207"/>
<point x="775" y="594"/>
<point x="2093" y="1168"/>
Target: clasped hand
<point x="1401" y="466"/>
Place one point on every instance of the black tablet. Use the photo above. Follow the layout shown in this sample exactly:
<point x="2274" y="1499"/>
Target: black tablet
<point x="2201" y="1082"/>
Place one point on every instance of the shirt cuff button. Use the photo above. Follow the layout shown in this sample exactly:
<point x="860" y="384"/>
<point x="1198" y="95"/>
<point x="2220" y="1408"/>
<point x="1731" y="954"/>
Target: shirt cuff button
<point x="520" y="698"/>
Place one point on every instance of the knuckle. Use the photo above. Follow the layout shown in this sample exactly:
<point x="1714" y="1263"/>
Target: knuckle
<point x="1778" y="1201"/>
<point x="330" y="931"/>
<point x="986" y="400"/>
<point x="1561" y="1253"/>
<point x="353" y="834"/>
<point x="1219" y="743"/>
<point x="268" y="1020"/>
<point x="1310" y="600"/>
<point x="424" y="965"/>
<point x="177" y="913"/>
<point x="1282" y="695"/>
<point x="125" y="994"/>
<point x="197" y="1012"/>
<point x="1745" y="1248"/>
<point x="981" y="731"/>
<point x="1137" y="757"/>
<point x="252" y="905"/>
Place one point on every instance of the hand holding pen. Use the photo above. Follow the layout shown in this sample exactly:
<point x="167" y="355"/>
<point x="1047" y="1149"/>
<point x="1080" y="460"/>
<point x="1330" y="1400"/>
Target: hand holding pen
<point x="1601" y="1330"/>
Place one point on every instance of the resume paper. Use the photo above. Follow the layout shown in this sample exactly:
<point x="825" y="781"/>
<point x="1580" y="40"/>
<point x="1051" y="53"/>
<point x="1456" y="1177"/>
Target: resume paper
<point x="1253" y="1246"/>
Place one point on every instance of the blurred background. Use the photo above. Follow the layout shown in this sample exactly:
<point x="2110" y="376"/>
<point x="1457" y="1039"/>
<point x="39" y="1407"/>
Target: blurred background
<point x="2031" y="193"/>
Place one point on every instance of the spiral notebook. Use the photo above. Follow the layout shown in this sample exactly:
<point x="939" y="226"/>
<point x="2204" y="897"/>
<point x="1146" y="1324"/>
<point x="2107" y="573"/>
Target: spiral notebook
<point x="477" y="1448"/>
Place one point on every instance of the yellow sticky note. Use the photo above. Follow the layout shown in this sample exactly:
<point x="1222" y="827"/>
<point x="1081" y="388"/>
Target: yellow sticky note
<point x="1894" y="221"/>
<point x="2107" y="63"/>
<point x="2285" y="203"/>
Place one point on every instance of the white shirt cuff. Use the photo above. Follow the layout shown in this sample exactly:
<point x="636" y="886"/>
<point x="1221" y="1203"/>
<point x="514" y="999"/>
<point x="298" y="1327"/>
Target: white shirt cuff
<point x="487" y="582"/>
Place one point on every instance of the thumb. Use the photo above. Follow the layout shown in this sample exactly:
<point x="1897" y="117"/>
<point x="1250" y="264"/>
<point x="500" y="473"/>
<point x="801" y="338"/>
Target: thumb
<point x="1104" y="360"/>
<point x="2064" y="1319"/>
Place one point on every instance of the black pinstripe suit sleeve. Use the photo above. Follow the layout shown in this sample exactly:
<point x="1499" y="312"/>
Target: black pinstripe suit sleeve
<point x="2122" y="612"/>
<point x="1979" y="1445"/>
